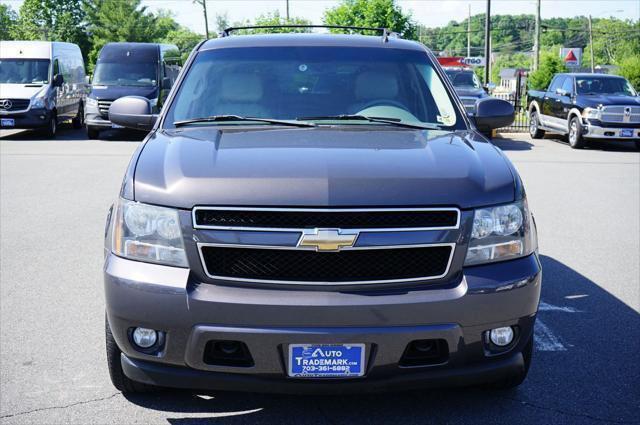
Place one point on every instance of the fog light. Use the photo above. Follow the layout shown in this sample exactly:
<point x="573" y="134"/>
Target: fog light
<point x="501" y="336"/>
<point x="144" y="338"/>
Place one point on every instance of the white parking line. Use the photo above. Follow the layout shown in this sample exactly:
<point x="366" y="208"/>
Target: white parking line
<point x="545" y="339"/>
<point x="543" y="306"/>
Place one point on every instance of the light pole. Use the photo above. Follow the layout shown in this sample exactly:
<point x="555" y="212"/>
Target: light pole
<point x="487" y="43"/>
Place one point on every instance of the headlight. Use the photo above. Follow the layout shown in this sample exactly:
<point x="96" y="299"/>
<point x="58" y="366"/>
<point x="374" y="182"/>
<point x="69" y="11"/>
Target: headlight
<point x="148" y="233"/>
<point x="91" y="102"/>
<point x="39" y="103"/>
<point x="501" y="233"/>
<point x="591" y="113"/>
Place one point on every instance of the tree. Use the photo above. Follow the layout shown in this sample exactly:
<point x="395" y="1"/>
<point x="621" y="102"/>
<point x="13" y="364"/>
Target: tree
<point x="516" y="60"/>
<point x="119" y="20"/>
<point x="185" y="39"/>
<point x="8" y="20"/>
<point x="273" y="19"/>
<point x="630" y="69"/>
<point x="550" y="64"/>
<point x="57" y="20"/>
<point x="372" y="13"/>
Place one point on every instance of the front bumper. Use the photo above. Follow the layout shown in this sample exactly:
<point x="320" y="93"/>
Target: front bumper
<point x="94" y="119"/>
<point x="192" y="313"/>
<point x="32" y="118"/>
<point x="594" y="131"/>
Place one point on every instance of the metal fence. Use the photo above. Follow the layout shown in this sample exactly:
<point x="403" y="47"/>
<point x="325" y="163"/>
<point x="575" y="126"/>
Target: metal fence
<point x="521" y="121"/>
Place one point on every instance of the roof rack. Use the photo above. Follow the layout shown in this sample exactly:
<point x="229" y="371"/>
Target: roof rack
<point x="385" y="32"/>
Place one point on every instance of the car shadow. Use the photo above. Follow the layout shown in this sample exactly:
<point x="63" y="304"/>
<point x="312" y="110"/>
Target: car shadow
<point x="607" y="146"/>
<point x="509" y="144"/>
<point x="585" y="370"/>
<point x="67" y="133"/>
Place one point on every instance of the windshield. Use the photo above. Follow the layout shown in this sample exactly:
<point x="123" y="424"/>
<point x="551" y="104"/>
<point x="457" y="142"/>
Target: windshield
<point x="604" y="85"/>
<point x="24" y="71"/>
<point x="125" y="74"/>
<point x="315" y="84"/>
<point x="464" y="79"/>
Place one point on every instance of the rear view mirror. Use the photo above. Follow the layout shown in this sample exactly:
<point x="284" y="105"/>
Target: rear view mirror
<point x="58" y="80"/>
<point x="132" y="112"/>
<point x="492" y="113"/>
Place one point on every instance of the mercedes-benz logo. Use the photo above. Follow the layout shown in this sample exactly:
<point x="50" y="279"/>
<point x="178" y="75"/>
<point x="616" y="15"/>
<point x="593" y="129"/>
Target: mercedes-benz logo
<point x="5" y="104"/>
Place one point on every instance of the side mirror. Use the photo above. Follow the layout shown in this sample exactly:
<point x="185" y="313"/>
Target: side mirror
<point x="166" y="83"/>
<point x="493" y="113"/>
<point x="58" y="80"/>
<point x="132" y="112"/>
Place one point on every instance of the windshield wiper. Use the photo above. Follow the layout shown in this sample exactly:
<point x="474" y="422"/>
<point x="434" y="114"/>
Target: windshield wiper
<point x="381" y="120"/>
<point x="219" y="118"/>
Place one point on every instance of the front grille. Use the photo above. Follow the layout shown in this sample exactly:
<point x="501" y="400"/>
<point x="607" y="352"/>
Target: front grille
<point x="306" y="219"/>
<point x="617" y="114"/>
<point x="367" y="265"/>
<point x="16" y="104"/>
<point x="103" y="107"/>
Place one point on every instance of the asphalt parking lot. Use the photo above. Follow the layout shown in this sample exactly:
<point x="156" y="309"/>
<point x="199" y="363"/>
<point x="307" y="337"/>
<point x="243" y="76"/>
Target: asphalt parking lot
<point x="54" y="196"/>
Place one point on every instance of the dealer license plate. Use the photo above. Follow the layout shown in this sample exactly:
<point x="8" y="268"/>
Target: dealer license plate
<point x="326" y="360"/>
<point x="7" y="122"/>
<point x="626" y="133"/>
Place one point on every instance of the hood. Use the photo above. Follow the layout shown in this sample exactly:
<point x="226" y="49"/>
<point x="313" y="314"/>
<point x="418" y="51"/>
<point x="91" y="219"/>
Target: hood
<point x="100" y="92"/>
<point x="321" y="167"/>
<point x="470" y="92"/>
<point x="21" y="91"/>
<point x="594" y="101"/>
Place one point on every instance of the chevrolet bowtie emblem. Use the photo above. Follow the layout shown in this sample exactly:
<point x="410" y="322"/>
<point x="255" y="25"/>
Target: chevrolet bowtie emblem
<point x="328" y="239"/>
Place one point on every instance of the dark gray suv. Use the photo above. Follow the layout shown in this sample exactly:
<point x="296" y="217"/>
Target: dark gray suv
<point x="316" y="213"/>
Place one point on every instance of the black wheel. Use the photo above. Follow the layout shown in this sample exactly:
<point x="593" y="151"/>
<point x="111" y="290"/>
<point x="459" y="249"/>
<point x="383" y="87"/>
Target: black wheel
<point x="517" y="379"/>
<point x="92" y="132"/>
<point x="52" y="127"/>
<point x="78" y="120"/>
<point x="118" y="378"/>
<point x="534" y="126"/>
<point x="575" y="134"/>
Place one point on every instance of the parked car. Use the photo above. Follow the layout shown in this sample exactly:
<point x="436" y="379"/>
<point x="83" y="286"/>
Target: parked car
<point x="586" y="107"/>
<point x="467" y="85"/>
<point x="42" y="83"/>
<point x="123" y="69"/>
<point x="316" y="212"/>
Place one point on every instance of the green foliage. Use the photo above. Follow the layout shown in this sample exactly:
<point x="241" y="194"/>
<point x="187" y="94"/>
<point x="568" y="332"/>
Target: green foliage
<point x="515" y="60"/>
<point x="185" y="39"/>
<point x="613" y="40"/>
<point x="59" y="20"/>
<point x="8" y="20"/>
<point x="550" y="64"/>
<point x="372" y="13"/>
<point x="630" y="69"/>
<point x="273" y="18"/>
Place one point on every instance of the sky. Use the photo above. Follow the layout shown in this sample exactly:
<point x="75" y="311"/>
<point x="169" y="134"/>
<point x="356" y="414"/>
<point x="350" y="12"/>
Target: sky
<point x="432" y="13"/>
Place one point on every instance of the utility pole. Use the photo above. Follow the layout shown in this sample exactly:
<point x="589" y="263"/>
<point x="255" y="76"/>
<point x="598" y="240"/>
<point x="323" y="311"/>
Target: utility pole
<point x="203" y="3"/>
<point x="287" y="11"/>
<point x="591" y="44"/>
<point x="536" y="43"/>
<point x="487" y="43"/>
<point x="469" y="33"/>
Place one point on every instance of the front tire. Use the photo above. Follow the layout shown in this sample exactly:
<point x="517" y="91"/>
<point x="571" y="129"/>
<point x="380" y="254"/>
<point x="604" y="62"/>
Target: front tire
<point x="52" y="127"/>
<point x="576" y="141"/>
<point x="78" y="120"/>
<point x="92" y="132"/>
<point x="118" y="378"/>
<point x="534" y="126"/>
<point x="517" y="379"/>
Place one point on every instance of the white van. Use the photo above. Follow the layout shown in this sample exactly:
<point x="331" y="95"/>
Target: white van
<point x="42" y="83"/>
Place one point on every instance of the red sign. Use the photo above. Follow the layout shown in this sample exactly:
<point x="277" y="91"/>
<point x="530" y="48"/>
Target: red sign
<point x="571" y="58"/>
<point x="451" y="61"/>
